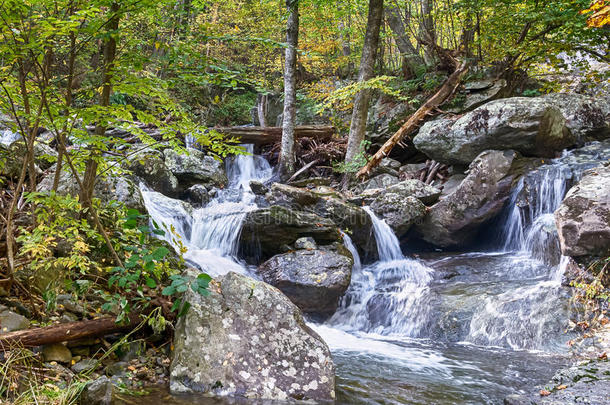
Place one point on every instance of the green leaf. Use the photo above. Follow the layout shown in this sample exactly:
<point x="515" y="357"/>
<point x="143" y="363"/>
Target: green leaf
<point x="160" y="253"/>
<point x="151" y="283"/>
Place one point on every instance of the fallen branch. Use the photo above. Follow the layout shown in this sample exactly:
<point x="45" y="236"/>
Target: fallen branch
<point x="65" y="332"/>
<point x="442" y="95"/>
<point x="302" y="170"/>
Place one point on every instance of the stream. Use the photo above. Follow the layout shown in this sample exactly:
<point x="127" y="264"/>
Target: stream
<point x="442" y="328"/>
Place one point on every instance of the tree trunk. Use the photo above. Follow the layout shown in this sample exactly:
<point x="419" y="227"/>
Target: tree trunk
<point x="261" y="109"/>
<point x="287" y="160"/>
<point x="109" y="56"/>
<point x="411" y="58"/>
<point x="427" y="31"/>
<point x="357" y="128"/>
<point x="442" y="95"/>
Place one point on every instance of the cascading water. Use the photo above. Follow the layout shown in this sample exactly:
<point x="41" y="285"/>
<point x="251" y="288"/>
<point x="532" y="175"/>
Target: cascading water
<point x="210" y="233"/>
<point x="380" y="294"/>
<point x="7" y="137"/>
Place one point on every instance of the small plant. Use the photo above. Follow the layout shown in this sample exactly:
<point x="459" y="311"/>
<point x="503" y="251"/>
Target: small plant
<point x="359" y="160"/>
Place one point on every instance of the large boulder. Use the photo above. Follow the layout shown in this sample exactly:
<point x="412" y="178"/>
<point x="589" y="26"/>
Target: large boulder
<point x="314" y="279"/>
<point x="540" y="126"/>
<point x="268" y="231"/>
<point x="583" y="219"/>
<point x="115" y="187"/>
<point x="407" y="188"/>
<point x="455" y="220"/>
<point x="247" y="339"/>
<point x="149" y="165"/>
<point x="327" y="203"/>
<point x="195" y="167"/>
<point x="12" y="158"/>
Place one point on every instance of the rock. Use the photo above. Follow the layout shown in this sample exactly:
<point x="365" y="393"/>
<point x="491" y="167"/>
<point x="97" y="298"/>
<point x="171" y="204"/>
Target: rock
<point x="291" y="197"/>
<point x="150" y="166"/>
<point x="540" y="126"/>
<point x="455" y="219"/>
<point x="406" y="188"/>
<point x="311" y="182"/>
<point x="98" y="392"/>
<point x="399" y="212"/>
<point x="271" y="228"/>
<point x="313" y="279"/>
<point x="305" y="243"/>
<point x="583" y="217"/>
<point x="256" y="342"/>
<point x="132" y="350"/>
<point x="197" y="195"/>
<point x="195" y="168"/>
<point x="388" y="166"/>
<point x="380" y="181"/>
<point x="411" y="170"/>
<point x="112" y="187"/>
<point x="56" y="352"/>
<point x="258" y="187"/>
<point x="11" y="321"/>
<point x="516" y="399"/>
<point x="44" y="156"/>
<point x="482" y="91"/>
<point x="116" y="369"/>
<point x="84" y="365"/>
<point x="452" y="184"/>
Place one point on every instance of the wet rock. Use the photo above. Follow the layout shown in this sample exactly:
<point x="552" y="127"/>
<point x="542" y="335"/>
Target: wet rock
<point x="271" y="228"/>
<point x="149" y="165"/>
<point x="197" y="195"/>
<point x="11" y="321"/>
<point x="452" y="184"/>
<point x="195" y="168"/>
<point x="56" y="352"/>
<point x="399" y="212"/>
<point x="305" y="243"/>
<point x="540" y="126"/>
<point x="313" y="279"/>
<point x="455" y="220"/>
<point x="583" y="217"/>
<point x="291" y="197"/>
<point x="256" y="342"/>
<point x="113" y="187"/>
<point x="258" y="187"/>
<point x="98" y="392"/>
<point x="311" y="182"/>
<point x="132" y="350"/>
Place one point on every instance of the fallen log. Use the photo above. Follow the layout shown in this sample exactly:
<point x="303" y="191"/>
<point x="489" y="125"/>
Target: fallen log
<point x="442" y="95"/>
<point x="65" y="332"/>
<point x="267" y="135"/>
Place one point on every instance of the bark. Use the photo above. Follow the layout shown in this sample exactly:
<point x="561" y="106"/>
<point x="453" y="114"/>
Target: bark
<point x="287" y="160"/>
<point x="65" y="332"/>
<point x="443" y="94"/>
<point x="357" y="128"/>
<point x="427" y="31"/>
<point x="411" y="58"/>
<point x="267" y="135"/>
<point x="110" y="48"/>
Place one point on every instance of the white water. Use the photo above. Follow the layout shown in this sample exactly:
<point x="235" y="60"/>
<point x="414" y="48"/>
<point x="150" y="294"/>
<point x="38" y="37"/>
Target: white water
<point x="210" y="233"/>
<point x="7" y="137"/>
<point x="381" y="294"/>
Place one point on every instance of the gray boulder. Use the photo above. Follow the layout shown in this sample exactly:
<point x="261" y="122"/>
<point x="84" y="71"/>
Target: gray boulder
<point x="583" y="219"/>
<point x="270" y="229"/>
<point x="98" y="392"/>
<point x="313" y="279"/>
<point x="11" y="321"/>
<point x="407" y="188"/>
<point x="195" y="167"/>
<point x="44" y="156"/>
<point x="399" y="212"/>
<point x="540" y="126"/>
<point x="247" y="339"/>
<point x="380" y="181"/>
<point x="149" y="165"/>
<point x="455" y="220"/>
<point x="116" y="187"/>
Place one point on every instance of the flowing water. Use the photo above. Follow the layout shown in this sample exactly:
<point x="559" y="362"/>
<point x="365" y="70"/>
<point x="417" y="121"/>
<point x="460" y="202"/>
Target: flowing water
<point x="463" y="328"/>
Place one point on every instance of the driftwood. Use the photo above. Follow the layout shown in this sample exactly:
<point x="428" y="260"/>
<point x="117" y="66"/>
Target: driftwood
<point x="302" y="170"/>
<point x="65" y="332"/>
<point x="267" y="135"/>
<point x="444" y="93"/>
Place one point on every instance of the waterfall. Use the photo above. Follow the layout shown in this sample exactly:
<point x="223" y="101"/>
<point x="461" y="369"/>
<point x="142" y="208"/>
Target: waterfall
<point x="7" y="137"/>
<point x="211" y="233"/>
<point x="389" y="296"/>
